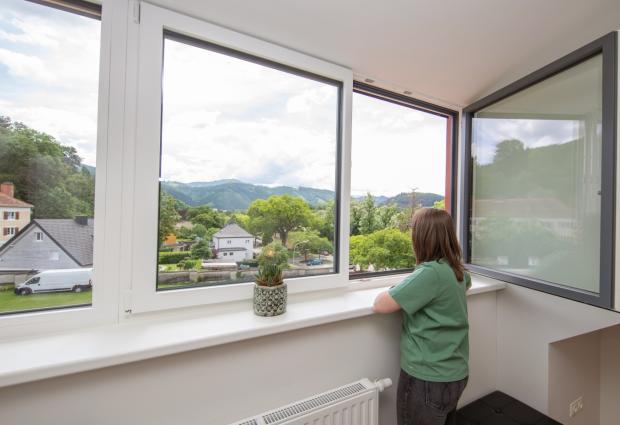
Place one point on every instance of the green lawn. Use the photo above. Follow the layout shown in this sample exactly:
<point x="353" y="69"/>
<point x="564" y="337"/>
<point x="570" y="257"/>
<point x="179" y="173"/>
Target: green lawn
<point x="9" y="302"/>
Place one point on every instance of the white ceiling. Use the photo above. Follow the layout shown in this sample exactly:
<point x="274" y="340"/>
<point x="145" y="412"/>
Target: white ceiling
<point x="449" y="51"/>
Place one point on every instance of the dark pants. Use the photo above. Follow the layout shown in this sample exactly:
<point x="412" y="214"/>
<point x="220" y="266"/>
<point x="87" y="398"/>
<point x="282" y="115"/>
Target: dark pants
<point x="427" y="403"/>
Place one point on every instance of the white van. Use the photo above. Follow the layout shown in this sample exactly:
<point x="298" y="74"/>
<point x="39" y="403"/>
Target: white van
<point x="76" y="280"/>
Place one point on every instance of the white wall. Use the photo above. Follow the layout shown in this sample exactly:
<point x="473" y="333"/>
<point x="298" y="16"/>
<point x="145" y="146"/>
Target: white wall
<point x="527" y="322"/>
<point x="221" y="384"/>
<point x="586" y="366"/>
<point x="610" y="376"/>
<point x="574" y="371"/>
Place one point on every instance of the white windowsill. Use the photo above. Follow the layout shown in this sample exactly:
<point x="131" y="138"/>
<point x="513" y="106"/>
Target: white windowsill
<point x="169" y="333"/>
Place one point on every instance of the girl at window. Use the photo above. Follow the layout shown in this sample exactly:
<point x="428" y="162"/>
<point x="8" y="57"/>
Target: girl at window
<point x="434" y="343"/>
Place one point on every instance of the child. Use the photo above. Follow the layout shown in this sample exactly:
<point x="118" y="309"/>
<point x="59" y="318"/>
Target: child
<point x="434" y="344"/>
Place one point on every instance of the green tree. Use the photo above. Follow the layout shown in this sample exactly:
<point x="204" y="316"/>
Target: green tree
<point x="45" y="173"/>
<point x="368" y="218"/>
<point x="185" y="232"/>
<point x="386" y="216"/>
<point x="384" y="249"/>
<point x="309" y="242"/>
<point x="199" y="230"/>
<point x="274" y="253"/>
<point x="206" y="216"/>
<point x="168" y="216"/>
<point x="440" y="205"/>
<point x="201" y="250"/>
<point x="324" y="219"/>
<point x="241" y="219"/>
<point x="355" y="215"/>
<point x="278" y="214"/>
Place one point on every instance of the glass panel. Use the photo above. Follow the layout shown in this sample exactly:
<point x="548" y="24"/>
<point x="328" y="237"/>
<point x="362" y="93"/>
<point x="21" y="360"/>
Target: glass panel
<point x="248" y="164"/>
<point x="398" y="165"/>
<point x="537" y="179"/>
<point x="49" y="71"/>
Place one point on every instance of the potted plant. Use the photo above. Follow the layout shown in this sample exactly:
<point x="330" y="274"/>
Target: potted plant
<point x="270" y="293"/>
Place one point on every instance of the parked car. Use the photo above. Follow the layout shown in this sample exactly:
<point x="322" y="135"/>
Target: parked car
<point x="76" y="280"/>
<point x="314" y="262"/>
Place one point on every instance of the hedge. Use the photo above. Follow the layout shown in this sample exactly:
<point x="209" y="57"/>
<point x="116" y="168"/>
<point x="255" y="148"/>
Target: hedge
<point x="173" y="257"/>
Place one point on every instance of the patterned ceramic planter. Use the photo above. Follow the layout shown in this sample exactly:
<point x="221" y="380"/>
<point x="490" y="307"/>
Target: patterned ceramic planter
<point x="270" y="300"/>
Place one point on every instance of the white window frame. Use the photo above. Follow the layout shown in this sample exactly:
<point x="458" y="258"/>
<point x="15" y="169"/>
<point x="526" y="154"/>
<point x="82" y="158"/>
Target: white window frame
<point x="144" y="217"/>
<point x="108" y="190"/>
<point x="11" y="216"/>
<point x="38" y="236"/>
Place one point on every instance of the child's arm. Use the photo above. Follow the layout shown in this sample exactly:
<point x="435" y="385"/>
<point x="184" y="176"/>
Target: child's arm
<point x="384" y="303"/>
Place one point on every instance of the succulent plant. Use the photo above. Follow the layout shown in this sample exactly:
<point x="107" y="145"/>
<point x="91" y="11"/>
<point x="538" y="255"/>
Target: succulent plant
<point x="269" y="274"/>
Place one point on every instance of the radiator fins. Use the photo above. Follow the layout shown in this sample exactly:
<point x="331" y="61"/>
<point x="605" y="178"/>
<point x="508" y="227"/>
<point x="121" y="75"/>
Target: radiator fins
<point x="305" y="406"/>
<point x="354" y="404"/>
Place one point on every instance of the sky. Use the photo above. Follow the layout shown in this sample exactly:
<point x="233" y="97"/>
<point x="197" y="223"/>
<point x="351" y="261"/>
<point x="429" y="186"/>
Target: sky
<point x="49" y="72"/>
<point x="396" y="149"/>
<point x="223" y="118"/>
<point x="226" y="118"/>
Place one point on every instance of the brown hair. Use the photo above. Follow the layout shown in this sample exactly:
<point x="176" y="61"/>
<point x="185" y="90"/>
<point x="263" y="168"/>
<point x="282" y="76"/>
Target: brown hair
<point x="434" y="238"/>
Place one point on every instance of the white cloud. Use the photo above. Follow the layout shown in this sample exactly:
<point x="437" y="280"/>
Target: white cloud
<point x="49" y="73"/>
<point x="25" y="66"/>
<point x="309" y="99"/>
<point x="396" y="149"/>
<point x="226" y="118"/>
<point x="223" y="118"/>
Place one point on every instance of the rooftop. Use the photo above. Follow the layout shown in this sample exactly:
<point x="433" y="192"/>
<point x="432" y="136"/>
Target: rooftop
<point x="233" y="230"/>
<point x="76" y="239"/>
<point x="9" y="201"/>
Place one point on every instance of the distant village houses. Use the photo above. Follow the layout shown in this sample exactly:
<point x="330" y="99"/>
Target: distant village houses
<point x="233" y="243"/>
<point x="14" y="213"/>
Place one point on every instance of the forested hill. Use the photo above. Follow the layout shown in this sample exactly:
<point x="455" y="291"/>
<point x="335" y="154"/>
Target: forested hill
<point x="403" y="200"/>
<point x="47" y="174"/>
<point x="233" y="195"/>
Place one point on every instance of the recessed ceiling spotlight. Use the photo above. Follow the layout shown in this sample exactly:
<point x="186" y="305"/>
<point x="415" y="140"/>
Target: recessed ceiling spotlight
<point x="369" y="81"/>
<point x="407" y="92"/>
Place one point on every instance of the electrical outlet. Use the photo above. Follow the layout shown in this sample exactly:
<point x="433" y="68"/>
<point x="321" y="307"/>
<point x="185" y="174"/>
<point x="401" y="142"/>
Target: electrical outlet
<point x="575" y="406"/>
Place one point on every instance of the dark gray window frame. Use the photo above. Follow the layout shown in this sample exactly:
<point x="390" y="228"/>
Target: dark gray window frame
<point x="78" y="7"/>
<point x="420" y="105"/>
<point x="608" y="47"/>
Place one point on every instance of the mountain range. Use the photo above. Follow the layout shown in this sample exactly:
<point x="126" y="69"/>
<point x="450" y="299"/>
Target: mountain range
<point x="235" y="195"/>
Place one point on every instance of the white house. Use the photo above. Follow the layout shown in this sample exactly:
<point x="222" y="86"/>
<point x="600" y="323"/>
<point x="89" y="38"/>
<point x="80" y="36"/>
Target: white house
<point x="233" y="243"/>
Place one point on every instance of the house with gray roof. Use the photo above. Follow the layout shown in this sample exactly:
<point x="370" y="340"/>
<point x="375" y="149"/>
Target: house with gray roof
<point x="233" y="243"/>
<point x="50" y="244"/>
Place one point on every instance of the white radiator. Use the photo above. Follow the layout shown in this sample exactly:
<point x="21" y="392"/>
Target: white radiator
<point x="353" y="404"/>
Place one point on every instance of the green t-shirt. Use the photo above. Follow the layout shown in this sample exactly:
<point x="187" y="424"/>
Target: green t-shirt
<point x="434" y="343"/>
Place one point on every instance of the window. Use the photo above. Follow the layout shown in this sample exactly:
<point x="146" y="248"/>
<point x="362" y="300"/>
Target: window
<point x="243" y="142"/>
<point x="49" y="81"/>
<point x="401" y="160"/>
<point x="248" y="149"/>
<point x="541" y="187"/>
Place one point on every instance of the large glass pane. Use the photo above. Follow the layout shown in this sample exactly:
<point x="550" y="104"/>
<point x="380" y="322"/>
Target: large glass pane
<point x="248" y="164"/>
<point x="537" y="178"/>
<point x="49" y="69"/>
<point x="398" y="165"/>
